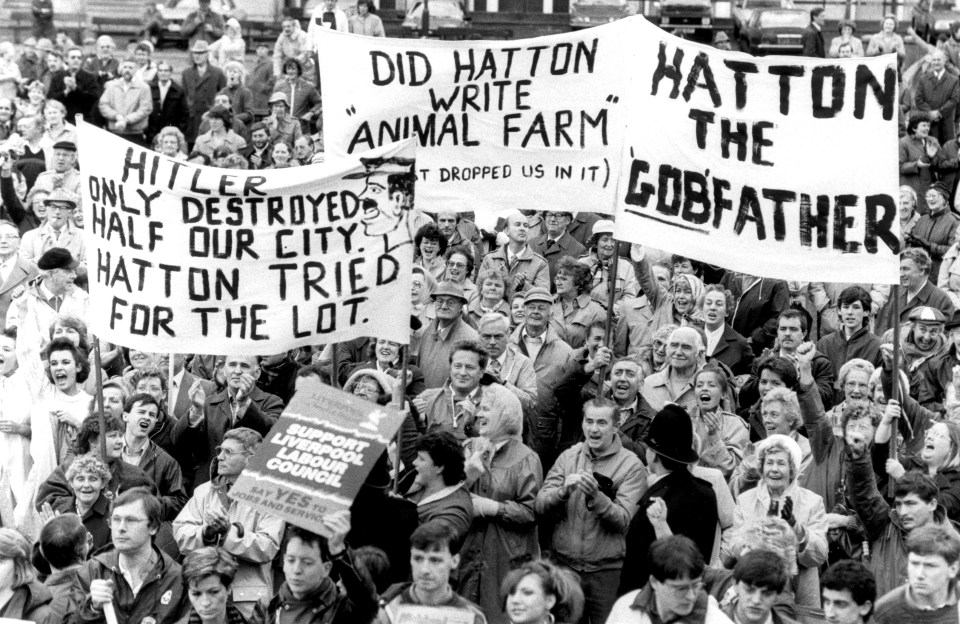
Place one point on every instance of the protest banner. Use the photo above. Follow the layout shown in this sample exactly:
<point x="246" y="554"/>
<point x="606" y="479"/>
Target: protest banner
<point x="419" y="614"/>
<point x="184" y="258"/>
<point x="533" y="123"/>
<point x="779" y="167"/>
<point x="315" y="459"/>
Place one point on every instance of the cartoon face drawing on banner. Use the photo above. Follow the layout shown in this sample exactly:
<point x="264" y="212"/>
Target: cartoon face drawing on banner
<point x="386" y="198"/>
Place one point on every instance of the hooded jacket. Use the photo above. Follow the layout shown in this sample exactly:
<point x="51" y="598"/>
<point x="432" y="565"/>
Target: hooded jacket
<point x="590" y="535"/>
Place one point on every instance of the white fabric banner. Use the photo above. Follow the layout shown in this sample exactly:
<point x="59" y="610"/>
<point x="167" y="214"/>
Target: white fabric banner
<point x="190" y="259"/>
<point x="781" y="167"/>
<point x="534" y="123"/>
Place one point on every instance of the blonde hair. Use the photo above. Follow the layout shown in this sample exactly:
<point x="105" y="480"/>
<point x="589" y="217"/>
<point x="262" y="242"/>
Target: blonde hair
<point x="15" y="546"/>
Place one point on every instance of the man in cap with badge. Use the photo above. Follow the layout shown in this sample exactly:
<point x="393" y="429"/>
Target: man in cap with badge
<point x="51" y="296"/>
<point x="64" y="174"/>
<point x="677" y="503"/>
<point x="57" y="230"/>
<point x="443" y="333"/>
<point x="921" y="347"/>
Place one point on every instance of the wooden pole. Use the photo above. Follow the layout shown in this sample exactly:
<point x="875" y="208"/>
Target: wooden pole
<point x="895" y="387"/>
<point x="403" y="401"/>
<point x="100" y="408"/>
<point x="334" y="366"/>
<point x="611" y="301"/>
<point x="170" y="374"/>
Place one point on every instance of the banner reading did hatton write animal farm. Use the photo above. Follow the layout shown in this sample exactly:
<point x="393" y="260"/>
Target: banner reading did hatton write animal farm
<point x="776" y="166"/>
<point x="534" y="123"/>
<point x="184" y="258"/>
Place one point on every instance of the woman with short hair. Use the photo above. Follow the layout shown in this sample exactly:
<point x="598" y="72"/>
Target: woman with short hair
<point x="574" y="310"/>
<point x="541" y="592"/>
<point x="208" y="574"/>
<point x="221" y="133"/>
<point x="366" y="21"/>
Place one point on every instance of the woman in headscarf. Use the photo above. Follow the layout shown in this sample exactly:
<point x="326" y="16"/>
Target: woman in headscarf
<point x="503" y="478"/>
<point x="778" y="494"/>
<point x="683" y="305"/>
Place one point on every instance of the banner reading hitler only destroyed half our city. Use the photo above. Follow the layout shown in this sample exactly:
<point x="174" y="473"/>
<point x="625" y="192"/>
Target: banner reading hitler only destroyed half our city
<point x="779" y="166"/>
<point x="184" y="258"/>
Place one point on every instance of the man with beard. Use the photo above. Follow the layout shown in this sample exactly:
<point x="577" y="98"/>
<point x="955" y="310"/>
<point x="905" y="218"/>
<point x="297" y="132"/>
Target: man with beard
<point x="524" y="268"/>
<point x="441" y="337"/>
<point x="916" y="290"/>
<point x="241" y="404"/>
<point x="74" y="86"/>
<point x="257" y="152"/>
<point x="126" y="104"/>
<point x="384" y="200"/>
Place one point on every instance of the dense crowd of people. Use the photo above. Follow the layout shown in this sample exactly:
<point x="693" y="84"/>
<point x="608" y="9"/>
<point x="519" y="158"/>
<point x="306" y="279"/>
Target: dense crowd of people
<point x="593" y="431"/>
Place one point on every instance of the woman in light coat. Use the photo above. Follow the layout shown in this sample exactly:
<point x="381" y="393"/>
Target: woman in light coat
<point x="503" y="477"/>
<point x="779" y="494"/>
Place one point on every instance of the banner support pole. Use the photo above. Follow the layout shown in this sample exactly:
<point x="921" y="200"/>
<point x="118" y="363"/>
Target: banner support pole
<point x="100" y="409"/>
<point x="895" y="386"/>
<point x="402" y="397"/>
<point x="334" y="366"/>
<point x="611" y="301"/>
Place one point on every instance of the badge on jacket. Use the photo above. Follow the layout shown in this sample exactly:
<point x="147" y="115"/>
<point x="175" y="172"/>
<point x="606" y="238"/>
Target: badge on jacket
<point x="164" y="599"/>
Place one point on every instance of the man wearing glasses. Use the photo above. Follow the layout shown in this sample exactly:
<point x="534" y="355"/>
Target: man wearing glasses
<point x="140" y="582"/>
<point x="675" y="591"/>
<point x="557" y="242"/>
<point x="75" y="87"/>
<point x="211" y="518"/>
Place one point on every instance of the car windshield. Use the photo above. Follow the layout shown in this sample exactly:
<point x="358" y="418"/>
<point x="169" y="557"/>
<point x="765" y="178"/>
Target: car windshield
<point x="784" y="19"/>
<point x="761" y="4"/>
<point x="613" y="3"/>
<point x="945" y="5"/>
<point x="439" y="9"/>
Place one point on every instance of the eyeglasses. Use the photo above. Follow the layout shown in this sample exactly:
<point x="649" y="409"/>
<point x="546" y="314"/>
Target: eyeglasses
<point x="121" y="522"/>
<point x="228" y="452"/>
<point x="446" y="302"/>
<point x="9" y="237"/>
<point x="685" y="588"/>
<point x="457" y="265"/>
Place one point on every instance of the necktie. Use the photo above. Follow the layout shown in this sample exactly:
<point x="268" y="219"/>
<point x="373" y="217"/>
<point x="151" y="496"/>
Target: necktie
<point x="57" y="301"/>
<point x="495" y="367"/>
<point x="625" y="414"/>
<point x="551" y="243"/>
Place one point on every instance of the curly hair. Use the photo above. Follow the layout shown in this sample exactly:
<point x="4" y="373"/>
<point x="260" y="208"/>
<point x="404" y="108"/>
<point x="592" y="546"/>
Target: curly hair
<point x="79" y="359"/>
<point x="791" y="405"/>
<point x="769" y="533"/>
<point x="582" y="274"/>
<point x="430" y="232"/>
<point x="88" y="464"/>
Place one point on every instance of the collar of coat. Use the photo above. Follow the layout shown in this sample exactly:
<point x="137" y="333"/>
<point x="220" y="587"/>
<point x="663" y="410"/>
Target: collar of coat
<point x="646" y="602"/>
<point x="320" y="599"/>
<point x="233" y="616"/>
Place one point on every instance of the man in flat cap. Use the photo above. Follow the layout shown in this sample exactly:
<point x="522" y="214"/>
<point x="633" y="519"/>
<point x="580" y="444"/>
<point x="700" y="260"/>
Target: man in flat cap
<point x="64" y="174"/>
<point x="921" y="347"/>
<point x="51" y="296"/>
<point x="57" y="230"/>
<point x="385" y="199"/>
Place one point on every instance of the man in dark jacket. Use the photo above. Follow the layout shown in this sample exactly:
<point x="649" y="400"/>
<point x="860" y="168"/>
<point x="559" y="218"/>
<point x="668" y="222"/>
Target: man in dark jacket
<point x="937" y="94"/>
<point x="64" y="546"/>
<point x="310" y="594"/>
<point x="916" y="290"/>
<point x="556" y="242"/>
<point x="854" y="338"/>
<point x="759" y="302"/>
<point x="74" y="87"/>
<point x="169" y="103"/>
<point x="203" y="24"/>
<point x="676" y="504"/>
<point x="141" y="413"/>
<point x="242" y="404"/>
<point x="201" y="82"/>
<point x="160" y="595"/>
<point x="812" y="37"/>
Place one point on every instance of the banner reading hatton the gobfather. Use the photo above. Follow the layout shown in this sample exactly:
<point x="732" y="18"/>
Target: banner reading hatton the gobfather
<point x="777" y="166"/>
<point x="534" y="123"/>
<point x="186" y="258"/>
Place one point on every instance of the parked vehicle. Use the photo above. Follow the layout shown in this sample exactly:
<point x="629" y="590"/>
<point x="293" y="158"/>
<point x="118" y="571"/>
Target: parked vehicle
<point x="587" y="13"/>
<point x="743" y="9"/>
<point x="932" y="18"/>
<point x="445" y="15"/>
<point x="695" y="19"/>
<point x="774" y="31"/>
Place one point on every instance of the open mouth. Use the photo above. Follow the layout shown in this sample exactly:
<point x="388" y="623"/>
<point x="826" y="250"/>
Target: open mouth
<point x="60" y="377"/>
<point x="144" y="424"/>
